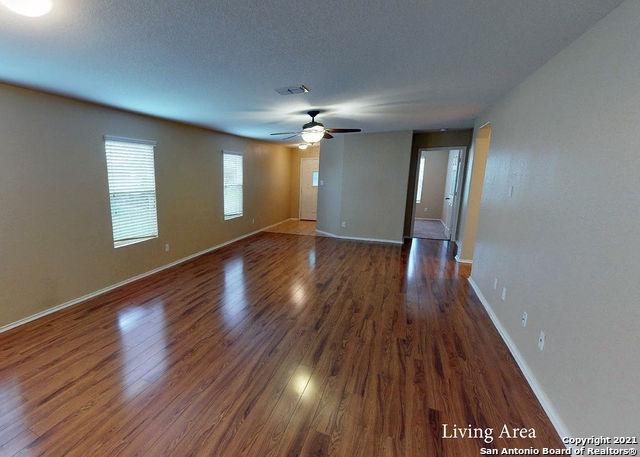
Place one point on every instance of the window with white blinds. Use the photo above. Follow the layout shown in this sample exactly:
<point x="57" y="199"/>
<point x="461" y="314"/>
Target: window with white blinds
<point x="232" y="181"/>
<point x="132" y="190"/>
<point x="420" y="180"/>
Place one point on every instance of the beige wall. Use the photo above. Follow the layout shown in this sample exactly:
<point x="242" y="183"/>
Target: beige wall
<point x="566" y="244"/>
<point x="435" y="176"/>
<point x="364" y="184"/>
<point x="55" y="229"/>
<point x="295" y="155"/>
<point x="368" y="181"/>
<point x="330" y="188"/>
<point x="472" y="192"/>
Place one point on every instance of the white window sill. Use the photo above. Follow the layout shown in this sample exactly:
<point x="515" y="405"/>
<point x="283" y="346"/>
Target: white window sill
<point x="121" y="244"/>
<point x="235" y="216"/>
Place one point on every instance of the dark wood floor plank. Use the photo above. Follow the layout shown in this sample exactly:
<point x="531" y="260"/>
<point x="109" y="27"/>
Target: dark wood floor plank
<point x="277" y="345"/>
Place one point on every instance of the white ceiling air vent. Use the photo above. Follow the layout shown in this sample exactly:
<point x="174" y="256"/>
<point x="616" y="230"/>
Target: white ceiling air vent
<point x="291" y="90"/>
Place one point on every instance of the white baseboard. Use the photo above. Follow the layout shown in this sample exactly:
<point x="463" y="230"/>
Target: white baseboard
<point x="97" y="293"/>
<point x="558" y="423"/>
<point x="461" y="260"/>
<point x="354" y="238"/>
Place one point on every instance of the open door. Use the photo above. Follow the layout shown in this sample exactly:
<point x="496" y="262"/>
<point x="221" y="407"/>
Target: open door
<point x="309" y="188"/>
<point x="450" y="193"/>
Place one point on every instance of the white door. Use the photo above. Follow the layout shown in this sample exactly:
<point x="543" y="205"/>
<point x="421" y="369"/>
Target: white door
<point x="450" y="192"/>
<point x="309" y="188"/>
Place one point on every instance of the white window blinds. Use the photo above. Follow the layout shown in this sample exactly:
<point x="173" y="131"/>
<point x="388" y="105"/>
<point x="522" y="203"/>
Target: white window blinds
<point x="420" y="180"/>
<point x="232" y="170"/>
<point x="132" y="190"/>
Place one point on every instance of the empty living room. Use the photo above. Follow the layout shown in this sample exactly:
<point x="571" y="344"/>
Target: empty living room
<point x="347" y="229"/>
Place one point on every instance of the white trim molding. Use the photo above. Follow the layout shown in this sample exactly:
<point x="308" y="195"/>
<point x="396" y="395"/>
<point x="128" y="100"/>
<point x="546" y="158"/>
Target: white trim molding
<point x="428" y="219"/>
<point x="355" y="238"/>
<point x="122" y="139"/>
<point x="544" y="400"/>
<point x="135" y="278"/>
<point x="461" y="260"/>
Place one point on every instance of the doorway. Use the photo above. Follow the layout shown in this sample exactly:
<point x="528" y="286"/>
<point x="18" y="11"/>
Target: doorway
<point x="437" y="196"/>
<point x="309" y="174"/>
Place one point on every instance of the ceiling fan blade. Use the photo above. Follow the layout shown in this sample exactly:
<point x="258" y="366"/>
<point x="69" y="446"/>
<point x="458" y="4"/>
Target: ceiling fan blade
<point x="289" y="137"/>
<point x="328" y="136"/>
<point x="285" y="133"/>
<point x="343" y="130"/>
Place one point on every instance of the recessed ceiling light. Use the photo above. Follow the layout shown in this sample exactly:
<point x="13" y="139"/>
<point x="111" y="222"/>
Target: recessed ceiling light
<point x="30" y="8"/>
<point x="303" y="146"/>
<point x="443" y="130"/>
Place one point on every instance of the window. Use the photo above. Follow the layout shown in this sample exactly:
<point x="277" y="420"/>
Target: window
<point x="420" y="180"/>
<point x="314" y="179"/>
<point x="232" y="181"/>
<point x="132" y="190"/>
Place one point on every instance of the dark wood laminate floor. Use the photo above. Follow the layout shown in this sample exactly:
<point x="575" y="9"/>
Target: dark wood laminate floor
<point x="277" y="345"/>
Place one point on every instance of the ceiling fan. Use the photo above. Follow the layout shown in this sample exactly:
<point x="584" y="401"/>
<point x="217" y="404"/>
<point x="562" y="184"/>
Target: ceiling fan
<point x="313" y="131"/>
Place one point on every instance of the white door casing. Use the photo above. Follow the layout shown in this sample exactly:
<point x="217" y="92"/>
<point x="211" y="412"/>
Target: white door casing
<point x="309" y="174"/>
<point x="451" y="182"/>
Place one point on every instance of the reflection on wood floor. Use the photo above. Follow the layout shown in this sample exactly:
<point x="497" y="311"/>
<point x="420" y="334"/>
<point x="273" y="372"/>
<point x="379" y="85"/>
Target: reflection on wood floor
<point x="275" y="345"/>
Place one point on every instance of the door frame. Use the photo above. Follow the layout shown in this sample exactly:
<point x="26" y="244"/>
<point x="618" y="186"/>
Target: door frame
<point x="462" y="163"/>
<point x="300" y="184"/>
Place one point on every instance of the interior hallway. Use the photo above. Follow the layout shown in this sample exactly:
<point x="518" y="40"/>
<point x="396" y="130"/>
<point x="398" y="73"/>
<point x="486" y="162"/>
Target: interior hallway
<point x="429" y="229"/>
<point x="273" y="345"/>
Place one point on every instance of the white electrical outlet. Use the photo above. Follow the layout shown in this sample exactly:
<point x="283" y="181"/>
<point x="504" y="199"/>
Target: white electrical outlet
<point x="503" y="295"/>
<point x="524" y="319"/>
<point x="541" y="339"/>
<point x="495" y="283"/>
<point x="344" y="224"/>
<point x="167" y="248"/>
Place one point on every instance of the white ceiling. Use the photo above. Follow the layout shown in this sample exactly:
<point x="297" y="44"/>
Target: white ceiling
<point x="379" y="65"/>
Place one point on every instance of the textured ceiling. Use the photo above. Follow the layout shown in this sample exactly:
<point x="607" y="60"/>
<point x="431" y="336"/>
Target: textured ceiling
<point x="379" y="65"/>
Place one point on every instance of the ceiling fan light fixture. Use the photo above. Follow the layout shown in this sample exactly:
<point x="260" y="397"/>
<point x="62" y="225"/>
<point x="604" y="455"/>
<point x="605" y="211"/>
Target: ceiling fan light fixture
<point x="313" y="134"/>
<point x="29" y="8"/>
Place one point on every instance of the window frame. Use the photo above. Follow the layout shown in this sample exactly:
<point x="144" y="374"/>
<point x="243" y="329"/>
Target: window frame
<point x="131" y="241"/>
<point x="241" y="214"/>
<point x="422" y="163"/>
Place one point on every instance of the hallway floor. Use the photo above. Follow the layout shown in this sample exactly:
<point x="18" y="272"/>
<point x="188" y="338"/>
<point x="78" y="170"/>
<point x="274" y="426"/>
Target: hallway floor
<point x="429" y="229"/>
<point x="295" y="227"/>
